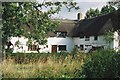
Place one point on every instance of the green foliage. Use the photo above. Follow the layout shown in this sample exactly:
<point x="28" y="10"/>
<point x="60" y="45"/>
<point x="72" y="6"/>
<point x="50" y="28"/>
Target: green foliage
<point x="107" y="9"/>
<point x="98" y="64"/>
<point x="17" y="43"/>
<point x="24" y="19"/>
<point x="115" y="3"/>
<point x="102" y="64"/>
<point x="75" y="50"/>
<point x="91" y="13"/>
<point x="29" y="42"/>
<point x="28" y="19"/>
<point x="109" y="37"/>
<point x="34" y="65"/>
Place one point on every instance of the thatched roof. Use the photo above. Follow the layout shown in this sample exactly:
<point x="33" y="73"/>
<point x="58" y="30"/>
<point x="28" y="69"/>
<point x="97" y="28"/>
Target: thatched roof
<point x="95" y="26"/>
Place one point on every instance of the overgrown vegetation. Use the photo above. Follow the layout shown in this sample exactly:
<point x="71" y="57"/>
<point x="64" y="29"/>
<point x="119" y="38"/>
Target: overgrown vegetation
<point x="34" y="65"/>
<point x="102" y="64"/>
<point x="98" y="64"/>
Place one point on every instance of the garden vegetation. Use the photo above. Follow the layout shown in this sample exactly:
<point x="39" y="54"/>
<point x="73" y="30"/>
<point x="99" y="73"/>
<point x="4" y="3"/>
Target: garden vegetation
<point x="98" y="64"/>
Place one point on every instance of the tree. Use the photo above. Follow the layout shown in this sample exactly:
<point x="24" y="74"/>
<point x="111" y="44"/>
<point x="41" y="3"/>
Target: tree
<point x="109" y="37"/>
<point x="115" y="3"/>
<point x="91" y="13"/>
<point x="107" y="9"/>
<point x="28" y="19"/>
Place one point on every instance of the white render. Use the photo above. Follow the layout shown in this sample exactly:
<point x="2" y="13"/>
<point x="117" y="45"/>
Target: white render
<point x="116" y="41"/>
<point x="23" y="44"/>
<point x="70" y="42"/>
<point x="100" y="42"/>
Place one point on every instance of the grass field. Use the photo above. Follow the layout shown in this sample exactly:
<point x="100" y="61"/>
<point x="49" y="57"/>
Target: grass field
<point x="43" y="66"/>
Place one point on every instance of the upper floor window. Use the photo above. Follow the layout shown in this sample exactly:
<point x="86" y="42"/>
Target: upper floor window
<point x="87" y="45"/>
<point x="61" y="34"/>
<point x="95" y="37"/>
<point x="81" y="37"/>
<point x="87" y="38"/>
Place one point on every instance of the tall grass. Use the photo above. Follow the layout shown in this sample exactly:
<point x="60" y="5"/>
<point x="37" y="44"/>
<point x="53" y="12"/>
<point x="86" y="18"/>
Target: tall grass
<point x="43" y="66"/>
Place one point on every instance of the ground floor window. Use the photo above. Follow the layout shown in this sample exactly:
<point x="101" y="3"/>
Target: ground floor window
<point x="62" y="47"/>
<point x="81" y="47"/>
<point x="32" y="48"/>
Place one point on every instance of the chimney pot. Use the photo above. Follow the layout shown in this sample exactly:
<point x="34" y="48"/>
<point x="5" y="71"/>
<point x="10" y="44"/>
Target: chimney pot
<point x="79" y="16"/>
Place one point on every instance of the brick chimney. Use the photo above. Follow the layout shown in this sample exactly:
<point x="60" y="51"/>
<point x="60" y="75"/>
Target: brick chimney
<point x="79" y="16"/>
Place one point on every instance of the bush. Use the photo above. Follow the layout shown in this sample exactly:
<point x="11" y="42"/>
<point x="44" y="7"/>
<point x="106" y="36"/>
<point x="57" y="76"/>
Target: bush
<point x="102" y="64"/>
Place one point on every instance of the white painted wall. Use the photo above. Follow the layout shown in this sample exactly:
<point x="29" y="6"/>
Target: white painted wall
<point x="92" y="42"/>
<point x="116" y="41"/>
<point x="23" y="42"/>
<point x="51" y="41"/>
<point x="68" y="41"/>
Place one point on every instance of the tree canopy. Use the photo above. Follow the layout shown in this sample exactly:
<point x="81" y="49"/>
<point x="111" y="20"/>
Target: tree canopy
<point x="29" y="20"/>
<point x="115" y="3"/>
<point x="91" y="13"/>
<point x="107" y="9"/>
<point x="111" y="7"/>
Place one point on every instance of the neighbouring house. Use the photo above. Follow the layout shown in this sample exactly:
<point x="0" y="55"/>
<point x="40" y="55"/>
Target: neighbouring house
<point x="85" y="34"/>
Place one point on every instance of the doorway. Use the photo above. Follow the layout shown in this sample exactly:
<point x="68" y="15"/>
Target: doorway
<point x="54" y="48"/>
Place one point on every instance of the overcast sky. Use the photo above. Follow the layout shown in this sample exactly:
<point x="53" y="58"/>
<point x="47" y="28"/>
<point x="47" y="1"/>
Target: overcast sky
<point x="84" y="6"/>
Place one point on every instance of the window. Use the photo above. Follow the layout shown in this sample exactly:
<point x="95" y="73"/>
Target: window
<point x="61" y="34"/>
<point x="81" y="47"/>
<point x="62" y="47"/>
<point x="87" y="38"/>
<point x="81" y="37"/>
<point x="32" y="47"/>
<point x="95" y="37"/>
<point x="87" y="45"/>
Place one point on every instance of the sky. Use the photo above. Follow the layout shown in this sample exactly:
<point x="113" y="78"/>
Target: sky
<point x="84" y="6"/>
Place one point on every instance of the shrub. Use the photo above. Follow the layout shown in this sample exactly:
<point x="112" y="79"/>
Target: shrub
<point x="102" y="64"/>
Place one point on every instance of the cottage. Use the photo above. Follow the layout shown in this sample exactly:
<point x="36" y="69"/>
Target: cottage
<point x="85" y="34"/>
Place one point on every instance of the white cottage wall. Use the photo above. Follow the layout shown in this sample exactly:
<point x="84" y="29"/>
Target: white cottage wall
<point x="116" y="41"/>
<point x="81" y="41"/>
<point x="22" y="46"/>
<point x="68" y="41"/>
